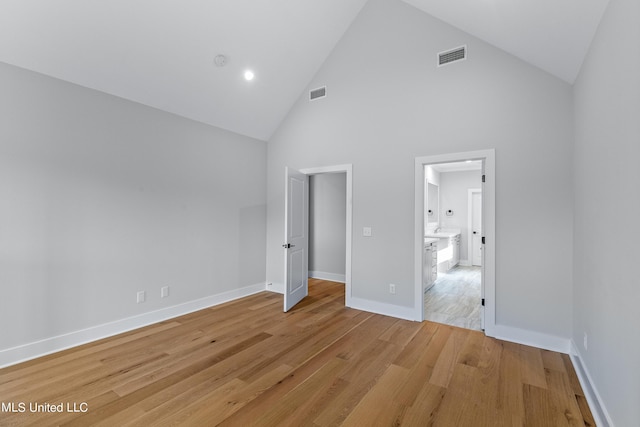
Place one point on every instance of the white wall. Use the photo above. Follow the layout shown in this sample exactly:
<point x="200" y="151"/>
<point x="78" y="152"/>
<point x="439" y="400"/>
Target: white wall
<point x="327" y="225"/>
<point x="454" y="195"/>
<point x="387" y="104"/>
<point x="607" y="207"/>
<point x="101" y="197"/>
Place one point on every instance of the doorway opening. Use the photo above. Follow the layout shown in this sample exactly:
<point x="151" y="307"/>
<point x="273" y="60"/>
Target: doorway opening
<point x="455" y="268"/>
<point x="297" y="270"/>
<point x="452" y="266"/>
<point x="327" y="226"/>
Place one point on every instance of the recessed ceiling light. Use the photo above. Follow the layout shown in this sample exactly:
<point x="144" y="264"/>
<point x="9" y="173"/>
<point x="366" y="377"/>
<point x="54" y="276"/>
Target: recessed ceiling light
<point x="248" y="75"/>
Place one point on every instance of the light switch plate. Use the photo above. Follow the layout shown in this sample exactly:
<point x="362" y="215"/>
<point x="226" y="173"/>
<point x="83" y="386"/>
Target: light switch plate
<point x="366" y="231"/>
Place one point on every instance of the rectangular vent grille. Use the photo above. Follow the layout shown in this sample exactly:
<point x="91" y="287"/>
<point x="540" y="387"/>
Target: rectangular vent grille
<point x="452" y="55"/>
<point x="318" y="93"/>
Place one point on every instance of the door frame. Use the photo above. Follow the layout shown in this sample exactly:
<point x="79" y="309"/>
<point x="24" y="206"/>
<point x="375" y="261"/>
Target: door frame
<point x="471" y="192"/>
<point x="488" y="218"/>
<point x="348" y="169"/>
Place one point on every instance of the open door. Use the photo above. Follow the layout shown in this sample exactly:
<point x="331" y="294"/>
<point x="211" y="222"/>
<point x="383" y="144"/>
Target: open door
<point x="296" y="269"/>
<point x="476" y="228"/>
<point x="481" y="244"/>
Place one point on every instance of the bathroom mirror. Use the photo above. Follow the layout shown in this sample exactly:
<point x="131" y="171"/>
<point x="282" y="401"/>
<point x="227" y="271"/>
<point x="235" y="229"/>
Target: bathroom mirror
<point x="431" y="213"/>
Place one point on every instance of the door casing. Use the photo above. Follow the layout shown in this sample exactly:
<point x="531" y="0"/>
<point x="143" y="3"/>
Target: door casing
<point x="488" y="218"/>
<point x="348" y="170"/>
<point x="471" y="211"/>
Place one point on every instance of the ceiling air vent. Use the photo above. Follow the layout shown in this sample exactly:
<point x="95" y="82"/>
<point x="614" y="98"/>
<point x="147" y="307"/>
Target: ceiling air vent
<point x="452" y="55"/>
<point x="321" y="92"/>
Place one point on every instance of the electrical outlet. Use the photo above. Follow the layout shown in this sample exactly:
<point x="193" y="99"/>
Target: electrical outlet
<point x="164" y="292"/>
<point x="366" y="231"/>
<point x="392" y="288"/>
<point x="585" y="341"/>
<point x="140" y="297"/>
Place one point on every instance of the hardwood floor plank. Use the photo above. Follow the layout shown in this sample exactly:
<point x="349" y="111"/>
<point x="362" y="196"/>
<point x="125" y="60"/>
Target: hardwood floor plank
<point x="415" y="348"/>
<point x="362" y="372"/>
<point x="585" y="411"/>
<point x="444" y="367"/>
<point x="401" y="332"/>
<point x="533" y="369"/>
<point x="462" y="404"/>
<point x="247" y="363"/>
<point x="472" y="349"/>
<point x="552" y="360"/>
<point x="378" y="406"/>
<point x="157" y="385"/>
<point x="576" y="389"/>
<point x="302" y="403"/>
<point x="510" y="393"/>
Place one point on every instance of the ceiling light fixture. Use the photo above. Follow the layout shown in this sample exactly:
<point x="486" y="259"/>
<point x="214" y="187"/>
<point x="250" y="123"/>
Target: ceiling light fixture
<point x="248" y="75"/>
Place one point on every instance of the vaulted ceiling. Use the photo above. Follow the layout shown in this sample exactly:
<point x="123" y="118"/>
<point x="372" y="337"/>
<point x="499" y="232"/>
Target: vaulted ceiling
<point x="161" y="52"/>
<point x="550" y="34"/>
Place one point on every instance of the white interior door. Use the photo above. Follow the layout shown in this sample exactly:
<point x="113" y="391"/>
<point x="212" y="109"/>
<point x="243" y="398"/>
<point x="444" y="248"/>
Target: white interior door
<point x="476" y="228"/>
<point x="296" y="270"/>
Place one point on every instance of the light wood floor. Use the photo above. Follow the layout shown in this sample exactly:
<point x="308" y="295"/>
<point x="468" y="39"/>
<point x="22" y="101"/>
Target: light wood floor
<point x="247" y="363"/>
<point x="455" y="298"/>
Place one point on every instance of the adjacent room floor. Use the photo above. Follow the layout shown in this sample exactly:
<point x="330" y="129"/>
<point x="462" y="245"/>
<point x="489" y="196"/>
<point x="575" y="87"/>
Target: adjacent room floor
<point x="455" y="298"/>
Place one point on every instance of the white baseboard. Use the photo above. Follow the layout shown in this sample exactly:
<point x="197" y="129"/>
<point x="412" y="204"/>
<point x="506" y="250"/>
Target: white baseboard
<point x="278" y="288"/>
<point x="465" y="263"/>
<point x="22" y="353"/>
<point x="407" y="313"/>
<point x="530" y="338"/>
<point x="332" y="277"/>
<point x="598" y="410"/>
<point x="562" y="345"/>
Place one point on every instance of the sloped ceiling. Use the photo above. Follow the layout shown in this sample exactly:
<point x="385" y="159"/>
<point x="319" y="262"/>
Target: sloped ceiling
<point x="161" y="52"/>
<point x="550" y="34"/>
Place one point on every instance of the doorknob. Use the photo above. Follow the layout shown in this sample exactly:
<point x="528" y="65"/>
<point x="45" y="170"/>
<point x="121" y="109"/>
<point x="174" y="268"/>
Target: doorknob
<point x="288" y="245"/>
<point x="475" y="232"/>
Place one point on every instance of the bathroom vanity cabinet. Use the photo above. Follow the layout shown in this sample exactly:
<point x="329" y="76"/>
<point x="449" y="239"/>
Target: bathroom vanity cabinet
<point x="448" y="248"/>
<point x="455" y="246"/>
<point x="430" y="263"/>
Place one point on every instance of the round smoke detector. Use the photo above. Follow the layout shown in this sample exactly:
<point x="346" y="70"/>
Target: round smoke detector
<point x="220" y="60"/>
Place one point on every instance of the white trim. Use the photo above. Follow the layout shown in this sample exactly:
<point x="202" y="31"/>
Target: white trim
<point x="278" y="288"/>
<point x="598" y="410"/>
<point x="348" y="169"/>
<point x="470" y="193"/>
<point x="531" y="338"/>
<point x="488" y="204"/>
<point x="323" y="275"/>
<point x="464" y="263"/>
<point x="406" y="313"/>
<point x="22" y="353"/>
